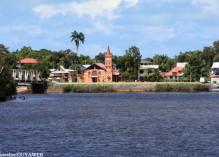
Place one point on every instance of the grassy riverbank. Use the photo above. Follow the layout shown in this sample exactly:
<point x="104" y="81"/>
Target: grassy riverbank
<point x="129" y="87"/>
<point x="88" y="89"/>
<point x="182" y="87"/>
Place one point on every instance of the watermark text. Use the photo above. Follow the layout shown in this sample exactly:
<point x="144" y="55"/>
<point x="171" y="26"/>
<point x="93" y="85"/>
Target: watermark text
<point x="21" y="154"/>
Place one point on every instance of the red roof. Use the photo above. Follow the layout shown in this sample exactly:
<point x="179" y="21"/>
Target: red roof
<point x="27" y="61"/>
<point x="101" y="65"/>
<point x="176" y="70"/>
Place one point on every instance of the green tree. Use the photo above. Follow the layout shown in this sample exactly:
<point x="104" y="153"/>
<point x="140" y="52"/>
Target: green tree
<point x="132" y="61"/>
<point x="216" y="46"/>
<point x="165" y="63"/>
<point x="77" y="38"/>
<point x="7" y="84"/>
<point x="195" y="67"/>
<point x="183" y="57"/>
<point x="153" y="75"/>
<point x="3" y="49"/>
<point x="100" y="57"/>
<point x="120" y="62"/>
<point x="208" y="55"/>
<point x="84" y="59"/>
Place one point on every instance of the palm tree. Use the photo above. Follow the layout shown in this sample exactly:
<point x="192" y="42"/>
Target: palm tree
<point x="77" y="37"/>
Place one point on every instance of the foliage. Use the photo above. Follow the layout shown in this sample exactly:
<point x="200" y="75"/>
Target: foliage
<point x="181" y="87"/>
<point x="108" y="77"/>
<point x="77" y="38"/>
<point x="100" y="57"/>
<point x="195" y="68"/>
<point x="153" y="75"/>
<point x="7" y="85"/>
<point x="132" y="61"/>
<point x="88" y="89"/>
<point x="165" y="63"/>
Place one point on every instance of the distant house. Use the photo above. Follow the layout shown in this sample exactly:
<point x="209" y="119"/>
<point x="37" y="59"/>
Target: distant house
<point x="63" y="75"/>
<point x="99" y="72"/>
<point x="176" y="73"/>
<point x="144" y="67"/>
<point x="215" y="73"/>
<point x="84" y="66"/>
<point x="26" y="61"/>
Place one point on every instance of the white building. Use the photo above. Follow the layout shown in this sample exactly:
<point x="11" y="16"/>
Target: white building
<point x="215" y="73"/>
<point x="144" y="67"/>
<point x="63" y="75"/>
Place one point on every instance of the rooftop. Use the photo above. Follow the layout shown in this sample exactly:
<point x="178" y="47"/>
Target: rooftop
<point x="176" y="70"/>
<point x="27" y="61"/>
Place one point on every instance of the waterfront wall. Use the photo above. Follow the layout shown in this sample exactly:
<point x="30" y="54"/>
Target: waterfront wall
<point x="137" y="87"/>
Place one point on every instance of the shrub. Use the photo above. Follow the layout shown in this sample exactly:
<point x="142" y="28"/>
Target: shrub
<point x="181" y="87"/>
<point x="88" y="89"/>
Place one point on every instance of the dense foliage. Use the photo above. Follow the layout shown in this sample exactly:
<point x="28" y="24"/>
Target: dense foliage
<point x="7" y="85"/>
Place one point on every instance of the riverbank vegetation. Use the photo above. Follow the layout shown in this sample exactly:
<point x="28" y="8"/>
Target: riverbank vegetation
<point x="136" y="87"/>
<point x="88" y="89"/>
<point x="182" y="87"/>
<point x="7" y="85"/>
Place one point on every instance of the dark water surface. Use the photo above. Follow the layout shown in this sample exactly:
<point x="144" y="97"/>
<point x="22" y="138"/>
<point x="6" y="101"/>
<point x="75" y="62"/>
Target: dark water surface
<point x="124" y="124"/>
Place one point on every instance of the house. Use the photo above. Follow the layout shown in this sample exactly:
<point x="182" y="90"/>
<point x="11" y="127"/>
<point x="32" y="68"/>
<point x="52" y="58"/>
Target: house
<point x="83" y="66"/>
<point x="26" y="61"/>
<point x="215" y="73"/>
<point x="176" y="73"/>
<point x="144" y="68"/>
<point x="99" y="72"/>
<point x="63" y="75"/>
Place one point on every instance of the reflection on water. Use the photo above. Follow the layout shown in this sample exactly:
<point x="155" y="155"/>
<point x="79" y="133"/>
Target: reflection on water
<point x="130" y="124"/>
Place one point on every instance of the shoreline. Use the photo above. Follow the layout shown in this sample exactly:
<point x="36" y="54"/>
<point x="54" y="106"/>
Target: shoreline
<point x="124" y="87"/>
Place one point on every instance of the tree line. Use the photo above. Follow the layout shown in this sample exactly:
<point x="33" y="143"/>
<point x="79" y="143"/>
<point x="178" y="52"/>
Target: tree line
<point x="199" y="61"/>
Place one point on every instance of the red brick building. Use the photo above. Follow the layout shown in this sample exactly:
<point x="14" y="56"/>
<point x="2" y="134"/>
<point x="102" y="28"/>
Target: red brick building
<point x="99" y="72"/>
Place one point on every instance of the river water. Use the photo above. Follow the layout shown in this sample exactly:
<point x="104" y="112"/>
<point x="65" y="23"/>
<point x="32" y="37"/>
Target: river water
<point x="115" y="124"/>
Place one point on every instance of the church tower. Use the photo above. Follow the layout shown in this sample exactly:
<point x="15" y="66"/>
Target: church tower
<point x="109" y="65"/>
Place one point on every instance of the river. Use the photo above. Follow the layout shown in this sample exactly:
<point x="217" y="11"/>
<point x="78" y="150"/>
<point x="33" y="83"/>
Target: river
<point x="112" y="124"/>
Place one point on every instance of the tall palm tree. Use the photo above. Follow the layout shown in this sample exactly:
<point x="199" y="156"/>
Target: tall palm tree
<point x="77" y="37"/>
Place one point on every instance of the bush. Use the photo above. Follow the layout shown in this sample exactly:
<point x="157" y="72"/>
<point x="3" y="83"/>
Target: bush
<point x="88" y="89"/>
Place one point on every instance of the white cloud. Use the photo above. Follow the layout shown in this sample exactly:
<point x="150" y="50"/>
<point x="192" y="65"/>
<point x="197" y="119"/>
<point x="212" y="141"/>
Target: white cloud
<point x="159" y="33"/>
<point x="46" y="11"/>
<point x="207" y="5"/>
<point x="131" y="3"/>
<point x="92" y="8"/>
<point x="31" y="30"/>
<point x="100" y="27"/>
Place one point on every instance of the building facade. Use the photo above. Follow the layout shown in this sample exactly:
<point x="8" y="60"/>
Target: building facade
<point x="99" y="72"/>
<point x="215" y="73"/>
<point x="176" y="73"/>
<point x="63" y="75"/>
<point x="144" y="68"/>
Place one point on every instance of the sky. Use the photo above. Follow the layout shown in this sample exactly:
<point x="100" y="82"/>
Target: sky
<point x="154" y="26"/>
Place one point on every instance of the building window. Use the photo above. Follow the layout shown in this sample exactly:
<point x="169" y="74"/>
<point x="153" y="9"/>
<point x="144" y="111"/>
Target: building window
<point x="94" y="73"/>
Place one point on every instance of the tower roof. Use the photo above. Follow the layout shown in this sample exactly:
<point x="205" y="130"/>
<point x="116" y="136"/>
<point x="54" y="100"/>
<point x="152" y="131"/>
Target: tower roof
<point x="108" y="51"/>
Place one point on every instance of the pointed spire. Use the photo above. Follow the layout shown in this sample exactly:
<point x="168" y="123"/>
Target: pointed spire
<point x="108" y="51"/>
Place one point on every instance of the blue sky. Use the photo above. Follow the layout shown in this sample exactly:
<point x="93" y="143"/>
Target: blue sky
<point x="154" y="26"/>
